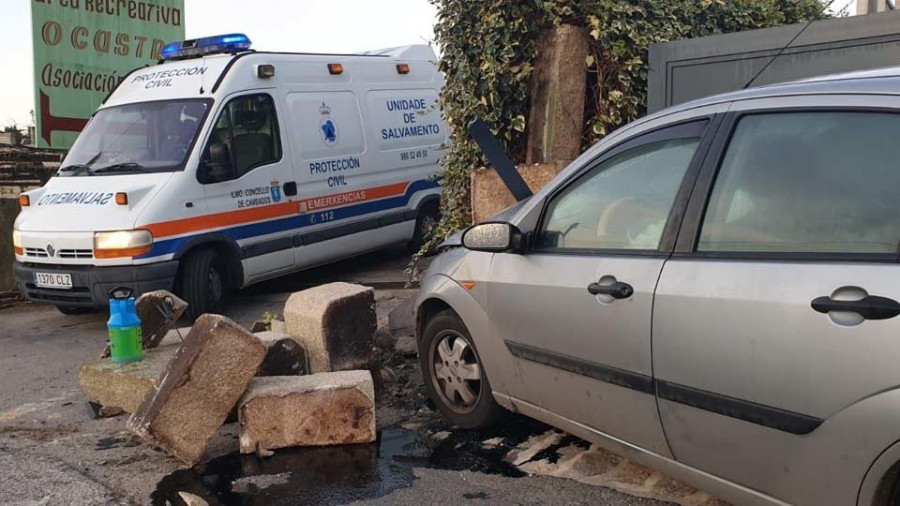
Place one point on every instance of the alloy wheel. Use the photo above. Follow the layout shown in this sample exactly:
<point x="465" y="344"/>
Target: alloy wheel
<point x="455" y="371"/>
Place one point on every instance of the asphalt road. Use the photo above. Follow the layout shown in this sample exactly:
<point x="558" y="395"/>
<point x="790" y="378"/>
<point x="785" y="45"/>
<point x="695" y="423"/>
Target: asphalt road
<point x="52" y="451"/>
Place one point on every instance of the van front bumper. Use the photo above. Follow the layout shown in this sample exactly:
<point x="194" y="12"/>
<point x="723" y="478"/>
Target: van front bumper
<point x="91" y="285"/>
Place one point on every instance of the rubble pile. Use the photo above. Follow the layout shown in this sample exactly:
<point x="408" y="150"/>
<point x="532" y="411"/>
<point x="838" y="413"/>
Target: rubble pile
<point x="302" y="382"/>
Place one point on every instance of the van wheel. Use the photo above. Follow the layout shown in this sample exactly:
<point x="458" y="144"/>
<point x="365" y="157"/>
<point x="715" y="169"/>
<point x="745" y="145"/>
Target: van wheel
<point x="454" y="376"/>
<point x="74" y="310"/>
<point x="428" y="220"/>
<point x="202" y="283"/>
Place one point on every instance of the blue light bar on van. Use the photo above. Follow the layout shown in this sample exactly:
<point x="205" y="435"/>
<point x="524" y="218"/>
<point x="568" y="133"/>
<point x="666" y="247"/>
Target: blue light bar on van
<point x="230" y="43"/>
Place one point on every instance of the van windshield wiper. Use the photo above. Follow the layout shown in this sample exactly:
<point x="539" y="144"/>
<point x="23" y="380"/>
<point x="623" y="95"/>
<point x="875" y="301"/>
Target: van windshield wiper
<point x="78" y="169"/>
<point x="122" y="167"/>
<point x="82" y="168"/>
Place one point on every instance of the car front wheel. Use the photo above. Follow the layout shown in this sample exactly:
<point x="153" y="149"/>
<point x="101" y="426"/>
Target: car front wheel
<point x="454" y="376"/>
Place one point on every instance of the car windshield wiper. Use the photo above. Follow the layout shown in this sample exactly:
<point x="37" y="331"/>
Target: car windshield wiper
<point x="78" y="169"/>
<point x="122" y="167"/>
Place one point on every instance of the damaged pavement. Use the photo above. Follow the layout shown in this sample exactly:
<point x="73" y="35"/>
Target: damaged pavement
<point x="326" y="407"/>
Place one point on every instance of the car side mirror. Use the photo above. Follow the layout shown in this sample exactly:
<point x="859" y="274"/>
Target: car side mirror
<point x="218" y="166"/>
<point x="494" y="237"/>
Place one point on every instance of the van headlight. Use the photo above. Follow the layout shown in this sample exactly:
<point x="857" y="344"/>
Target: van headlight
<point x="17" y="242"/>
<point x="123" y="243"/>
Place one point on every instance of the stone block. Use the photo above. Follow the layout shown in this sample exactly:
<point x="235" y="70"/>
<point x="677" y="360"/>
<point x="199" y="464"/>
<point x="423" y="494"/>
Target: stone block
<point x="490" y="195"/>
<point x="159" y="311"/>
<point x="336" y="324"/>
<point x="558" y="90"/>
<point x="199" y="387"/>
<point x="319" y="410"/>
<point x="285" y="356"/>
<point x="126" y="385"/>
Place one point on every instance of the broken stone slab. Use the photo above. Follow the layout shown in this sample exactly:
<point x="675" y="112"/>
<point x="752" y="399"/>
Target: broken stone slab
<point x="285" y="356"/>
<point x="159" y="311"/>
<point x="125" y="386"/>
<point x="402" y="319"/>
<point x="384" y="339"/>
<point x="318" y="410"/>
<point x="407" y="346"/>
<point x="336" y="324"/>
<point x="199" y="387"/>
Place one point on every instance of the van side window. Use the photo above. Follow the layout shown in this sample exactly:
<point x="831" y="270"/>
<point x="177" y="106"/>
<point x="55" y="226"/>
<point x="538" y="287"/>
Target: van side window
<point x="244" y="137"/>
<point x="622" y="203"/>
<point x="807" y="182"/>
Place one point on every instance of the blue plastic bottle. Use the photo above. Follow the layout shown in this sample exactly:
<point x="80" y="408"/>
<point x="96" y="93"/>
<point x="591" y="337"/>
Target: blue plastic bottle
<point x="125" y="339"/>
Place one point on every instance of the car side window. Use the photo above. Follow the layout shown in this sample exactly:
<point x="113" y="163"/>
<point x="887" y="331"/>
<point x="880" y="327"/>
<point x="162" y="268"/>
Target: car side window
<point x="807" y="182"/>
<point x="622" y="203"/>
<point x="244" y="137"/>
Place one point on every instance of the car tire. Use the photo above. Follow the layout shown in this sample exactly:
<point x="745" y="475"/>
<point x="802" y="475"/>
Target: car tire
<point x="427" y="220"/>
<point x="74" y="310"/>
<point x="459" y="387"/>
<point x="202" y="283"/>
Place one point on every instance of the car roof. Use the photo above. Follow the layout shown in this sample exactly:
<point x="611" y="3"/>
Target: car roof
<point x="882" y="81"/>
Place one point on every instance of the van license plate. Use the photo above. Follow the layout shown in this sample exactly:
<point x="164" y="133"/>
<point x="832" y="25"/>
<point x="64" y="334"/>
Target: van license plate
<point x="51" y="280"/>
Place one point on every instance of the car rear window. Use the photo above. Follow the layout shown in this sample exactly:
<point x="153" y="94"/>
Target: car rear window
<point x="818" y="182"/>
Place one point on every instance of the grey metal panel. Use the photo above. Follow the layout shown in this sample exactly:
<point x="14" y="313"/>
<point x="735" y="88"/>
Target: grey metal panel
<point x="685" y="70"/>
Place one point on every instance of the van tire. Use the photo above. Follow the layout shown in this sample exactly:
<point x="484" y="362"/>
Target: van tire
<point x="74" y="310"/>
<point x="428" y="218"/>
<point x="202" y="283"/>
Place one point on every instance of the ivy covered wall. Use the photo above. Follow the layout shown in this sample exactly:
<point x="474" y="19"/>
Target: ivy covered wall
<point x="488" y="47"/>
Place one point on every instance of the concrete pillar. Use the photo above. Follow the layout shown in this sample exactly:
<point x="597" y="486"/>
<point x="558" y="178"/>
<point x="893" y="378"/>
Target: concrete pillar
<point x="558" y="87"/>
<point x="9" y="209"/>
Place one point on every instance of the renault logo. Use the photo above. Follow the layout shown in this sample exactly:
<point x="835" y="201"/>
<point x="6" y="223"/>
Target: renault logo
<point x="50" y="251"/>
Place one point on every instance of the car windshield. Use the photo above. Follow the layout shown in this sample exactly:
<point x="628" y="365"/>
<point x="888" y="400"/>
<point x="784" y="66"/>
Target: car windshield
<point x="135" y="138"/>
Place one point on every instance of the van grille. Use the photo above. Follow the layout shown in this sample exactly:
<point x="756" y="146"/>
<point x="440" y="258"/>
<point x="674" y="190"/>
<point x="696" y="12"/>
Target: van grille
<point x="69" y="254"/>
<point x="76" y="253"/>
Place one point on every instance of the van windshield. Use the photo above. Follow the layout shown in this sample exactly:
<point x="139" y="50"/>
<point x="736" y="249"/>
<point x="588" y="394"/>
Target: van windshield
<point x="135" y="138"/>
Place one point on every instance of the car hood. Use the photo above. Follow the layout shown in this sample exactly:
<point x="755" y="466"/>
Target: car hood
<point x="88" y="204"/>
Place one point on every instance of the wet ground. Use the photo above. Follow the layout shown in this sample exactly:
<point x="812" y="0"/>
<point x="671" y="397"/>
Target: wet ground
<point x="53" y="451"/>
<point x="344" y="474"/>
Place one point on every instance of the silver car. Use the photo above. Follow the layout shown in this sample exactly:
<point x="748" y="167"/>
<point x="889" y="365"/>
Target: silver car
<point x="711" y="291"/>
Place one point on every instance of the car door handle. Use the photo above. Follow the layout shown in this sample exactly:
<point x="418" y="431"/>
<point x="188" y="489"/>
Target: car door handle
<point x="870" y="307"/>
<point x="617" y="290"/>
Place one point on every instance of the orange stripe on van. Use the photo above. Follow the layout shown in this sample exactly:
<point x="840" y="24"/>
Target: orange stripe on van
<point x="346" y="198"/>
<point x="230" y="218"/>
<point x="218" y="220"/>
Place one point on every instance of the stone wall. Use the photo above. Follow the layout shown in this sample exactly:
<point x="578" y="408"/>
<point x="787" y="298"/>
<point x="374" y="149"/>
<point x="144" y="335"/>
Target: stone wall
<point x="9" y="209"/>
<point x="490" y="195"/>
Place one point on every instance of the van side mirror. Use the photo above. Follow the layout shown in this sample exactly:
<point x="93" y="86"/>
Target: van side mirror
<point x="218" y="166"/>
<point x="494" y="237"/>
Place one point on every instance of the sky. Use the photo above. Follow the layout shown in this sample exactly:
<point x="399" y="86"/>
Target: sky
<point x="330" y="26"/>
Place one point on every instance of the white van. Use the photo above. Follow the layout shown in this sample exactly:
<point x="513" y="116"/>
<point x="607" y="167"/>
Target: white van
<point x="222" y="167"/>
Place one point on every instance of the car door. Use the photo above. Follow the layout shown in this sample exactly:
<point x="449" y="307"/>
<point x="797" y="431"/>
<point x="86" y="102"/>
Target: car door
<point x="575" y="310"/>
<point x="249" y="183"/>
<point x="775" y="316"/>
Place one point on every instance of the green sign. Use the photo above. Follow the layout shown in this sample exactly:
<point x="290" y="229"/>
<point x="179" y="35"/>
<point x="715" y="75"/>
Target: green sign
<point x="84" y="48"/>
